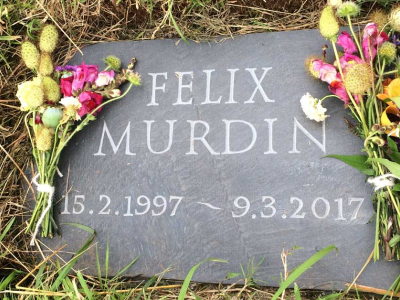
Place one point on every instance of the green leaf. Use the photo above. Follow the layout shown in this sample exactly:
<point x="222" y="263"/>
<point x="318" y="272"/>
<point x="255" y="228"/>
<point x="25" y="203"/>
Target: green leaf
<point x="189" y="276"/>
<point x="331" y="296"/>
<point x="356" y="161"/>
<point x="396" y="100"/>
<point x="396" y="187"/>
<point x="301" y="269"/>
<point x="7" y="281"/>
<point x="394" y="153"/>
<point x="3" y="234"/>
<point x="394" y="240"/>
<point x="393" y="167"/>
<point x="231" y="275"/>
<point x="88" y="293"/>
<point x="297" y="292"/>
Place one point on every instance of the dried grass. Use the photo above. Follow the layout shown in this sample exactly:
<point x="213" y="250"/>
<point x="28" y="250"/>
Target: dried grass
<point x="92" y="21"/>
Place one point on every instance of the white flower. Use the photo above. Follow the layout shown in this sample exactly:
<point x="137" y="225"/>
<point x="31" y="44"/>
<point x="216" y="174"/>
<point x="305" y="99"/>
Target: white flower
<point x="334" y="3"/>
<point x="312" y="107"/>
<point x="72" y="106"/>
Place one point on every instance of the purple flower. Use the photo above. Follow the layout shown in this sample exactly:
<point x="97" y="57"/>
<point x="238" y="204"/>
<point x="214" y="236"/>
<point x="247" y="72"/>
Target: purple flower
<point x="68" y="68"/>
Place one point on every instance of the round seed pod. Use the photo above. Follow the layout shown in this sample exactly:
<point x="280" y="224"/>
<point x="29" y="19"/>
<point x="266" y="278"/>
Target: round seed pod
<point x="30" y="55"/>
<point x="358" y="78"/>
<point x="48" y="38"/>
<point x="51" y="117"/>
<point x="44" y="138"/>
<point x="45" y="64"/>
<point x="51" y="89"/>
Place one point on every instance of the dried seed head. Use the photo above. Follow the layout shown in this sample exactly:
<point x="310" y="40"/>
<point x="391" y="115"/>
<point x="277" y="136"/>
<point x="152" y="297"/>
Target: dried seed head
<point x="387" y="51"/>
<point x="380" y="18"/>
<point x="51" y="89"/>
<point x="44" y="138"/>
<point x="358" y="79"/>
<point x="46" y="64"/>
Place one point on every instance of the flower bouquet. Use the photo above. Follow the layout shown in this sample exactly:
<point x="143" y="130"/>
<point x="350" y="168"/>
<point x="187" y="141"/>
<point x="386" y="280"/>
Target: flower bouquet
<point x="59" y="102"/>
<point x="364" y="76"/>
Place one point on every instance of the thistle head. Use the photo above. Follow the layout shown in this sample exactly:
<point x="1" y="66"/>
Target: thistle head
<point x="113" y="62"/>
<point x="48" y="38"/>
<point x="328" y="25"/>
<point x="380" y="18"/>
<point x="348" y="9"/>
<point x="387" y="52"/>
<point x="44" y="138"/>
<point x="358" y="78"/>
<point x="51" y="89"/>
<point x="30" y="55"/>
<point x="45" y="64"/>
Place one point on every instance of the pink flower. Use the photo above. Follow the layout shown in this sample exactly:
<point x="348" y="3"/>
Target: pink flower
<point x="327" y="72"/>
<point x="348" y="60"/>
<point x="104" y="78"/>
<point x="372" y="40"/>
<point x="82" y="74"/>
<point x="66" y="85"/>
<point x="337" y="87"/>
<point x="347" y="43"/>
<point x="89" y="101"/>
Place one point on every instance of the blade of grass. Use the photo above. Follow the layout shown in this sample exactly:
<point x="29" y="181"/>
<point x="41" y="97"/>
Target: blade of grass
<point x="148" y="283"/>
<point x="39" y="276"/>
<point x="297" y="292"/>
<point x="98" y="267"/>
<point x="82" y="282"/>
<point x="189" y="276"/>
<point x="71" y="263"/>
<point x="174" y="22"/>
<point x="3" y="234"/>
<point x="126" y="268"/>
<point x="301" y="269"/>
<point x="7" y="281"/>
<point x="107" y="257"/>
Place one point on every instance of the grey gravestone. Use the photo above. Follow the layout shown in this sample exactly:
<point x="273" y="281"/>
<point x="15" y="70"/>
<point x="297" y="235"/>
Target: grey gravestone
<point x="241" y="177"/>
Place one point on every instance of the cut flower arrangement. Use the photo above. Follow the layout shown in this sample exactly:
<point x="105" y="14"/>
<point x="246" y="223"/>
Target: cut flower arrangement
<point x="365" y="76"/>
<point x="59" y="102"/>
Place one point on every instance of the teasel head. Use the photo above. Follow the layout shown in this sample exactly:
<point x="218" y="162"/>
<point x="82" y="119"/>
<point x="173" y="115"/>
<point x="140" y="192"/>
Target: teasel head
<point x="44" y="138"/>
<point x="328" y="25"/>
<point x="51" y="89"/>
<point x="30" y="55"/>
<point x="45" y="64"/>
<point x="48" y="38"/>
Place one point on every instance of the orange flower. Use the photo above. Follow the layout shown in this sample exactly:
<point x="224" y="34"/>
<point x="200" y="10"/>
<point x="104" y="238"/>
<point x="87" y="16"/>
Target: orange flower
<point x="391" y="88"/>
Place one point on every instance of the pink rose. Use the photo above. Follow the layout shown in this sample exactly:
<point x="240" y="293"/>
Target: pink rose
<point x="66" y="85"/>
<point x="347" y="43"/>
<point x="89" y="101"/>
<point x="104" y="78"/>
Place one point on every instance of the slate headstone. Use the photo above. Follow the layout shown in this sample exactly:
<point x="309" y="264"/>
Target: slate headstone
<point x="213" y="157"/>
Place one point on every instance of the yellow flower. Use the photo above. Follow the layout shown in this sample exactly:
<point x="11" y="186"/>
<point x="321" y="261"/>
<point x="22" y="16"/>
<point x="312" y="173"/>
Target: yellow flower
<point x="391" y="88"/>
<point x="390" y="115"/>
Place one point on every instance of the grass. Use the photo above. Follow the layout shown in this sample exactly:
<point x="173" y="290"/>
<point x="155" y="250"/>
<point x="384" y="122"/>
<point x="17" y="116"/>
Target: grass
<point x="85" y="22"/>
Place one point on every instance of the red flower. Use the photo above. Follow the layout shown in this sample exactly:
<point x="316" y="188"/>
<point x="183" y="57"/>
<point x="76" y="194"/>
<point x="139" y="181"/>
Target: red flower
<point x="66" y="86"/>
<point x="89" y="101"/>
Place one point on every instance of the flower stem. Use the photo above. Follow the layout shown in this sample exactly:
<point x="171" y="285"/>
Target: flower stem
<point x="355" y="38"/>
